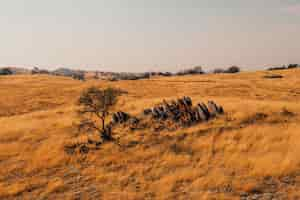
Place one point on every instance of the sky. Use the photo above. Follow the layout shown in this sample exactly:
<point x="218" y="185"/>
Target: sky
<point x="149" y="35"/>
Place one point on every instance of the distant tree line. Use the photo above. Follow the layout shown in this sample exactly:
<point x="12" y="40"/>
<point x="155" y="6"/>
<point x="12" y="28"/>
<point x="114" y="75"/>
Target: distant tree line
<point x="75" y="74"/>
<point x="289" y="66"/>
<point x="114" y="76"/>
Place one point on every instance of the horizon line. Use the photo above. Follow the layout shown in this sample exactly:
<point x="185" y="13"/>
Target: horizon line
<point x="97" y="67"/>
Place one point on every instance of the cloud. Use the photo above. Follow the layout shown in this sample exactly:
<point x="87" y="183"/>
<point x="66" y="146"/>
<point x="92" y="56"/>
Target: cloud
<point x="293" y="9"/>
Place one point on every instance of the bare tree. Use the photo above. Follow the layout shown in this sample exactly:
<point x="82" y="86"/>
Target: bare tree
<point x="95" y="105"/>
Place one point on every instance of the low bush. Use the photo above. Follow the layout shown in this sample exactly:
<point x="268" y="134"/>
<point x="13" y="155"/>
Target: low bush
<point x="6" y="71"/>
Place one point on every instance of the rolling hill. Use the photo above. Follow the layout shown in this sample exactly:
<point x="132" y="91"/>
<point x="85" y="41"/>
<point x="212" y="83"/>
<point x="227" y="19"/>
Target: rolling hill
<point x="250" y="152"/>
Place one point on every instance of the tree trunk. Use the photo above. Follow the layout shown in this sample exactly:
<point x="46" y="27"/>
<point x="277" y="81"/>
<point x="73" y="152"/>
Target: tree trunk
<point x="103" y="123"/>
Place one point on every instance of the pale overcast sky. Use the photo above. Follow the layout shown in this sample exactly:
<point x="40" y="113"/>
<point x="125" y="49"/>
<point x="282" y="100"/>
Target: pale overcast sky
<point x="141" y="35"/>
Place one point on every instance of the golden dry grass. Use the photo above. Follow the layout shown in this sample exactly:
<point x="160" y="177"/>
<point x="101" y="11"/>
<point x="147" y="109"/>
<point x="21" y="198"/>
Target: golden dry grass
<point x="254" y="148"/>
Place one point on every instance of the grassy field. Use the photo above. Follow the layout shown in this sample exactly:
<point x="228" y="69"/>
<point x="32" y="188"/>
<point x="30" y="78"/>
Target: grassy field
<point x="252" y="151"/>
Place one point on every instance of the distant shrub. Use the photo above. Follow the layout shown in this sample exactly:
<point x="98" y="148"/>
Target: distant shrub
<point x="113" y="79"/>
<point x="79" y="76"/>
<point x="129" y="76"/>
<point x="145" y="75"/>
<point x="75" y="74"/>
<point x="271" y="76"/>
<point x="277" y="68"/>
<point x="284" y="67"/>
<point x="218" y="71"/>
<point x="96" y="75"/>
<point x="195" y="70"/>
<point x="6" y="71"/>
<point x="233" y="69"/>
<point x="163" y="74"/>
<point x="291" y="66"/>
<point x="167" y="74"/>
<point x="36" y="70"/>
